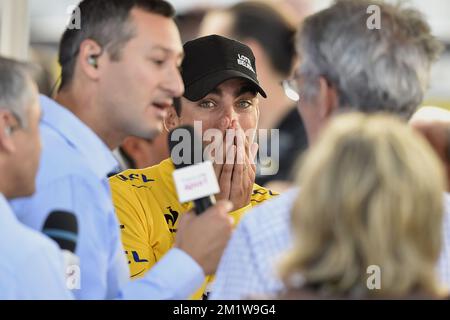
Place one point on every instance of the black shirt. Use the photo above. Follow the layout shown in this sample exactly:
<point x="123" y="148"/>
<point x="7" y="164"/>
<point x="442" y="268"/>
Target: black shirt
<point x="293" y="141"/>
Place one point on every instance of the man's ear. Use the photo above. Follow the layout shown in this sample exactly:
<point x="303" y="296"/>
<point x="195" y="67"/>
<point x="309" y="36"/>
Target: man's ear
<point x="172" y="120"/>
<point x="130" y="145"/>
<point x="327" y="99"/>
<point x="89" y="57"/>
<point x="6" y="124"/>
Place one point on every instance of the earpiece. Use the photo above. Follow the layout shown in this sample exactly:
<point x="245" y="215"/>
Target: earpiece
<point x="8" y="131"/>
<point x="92" y="60"/>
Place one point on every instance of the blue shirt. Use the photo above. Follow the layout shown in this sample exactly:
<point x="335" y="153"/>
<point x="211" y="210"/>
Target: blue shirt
<point x="250" y="261"/>
<point x="73" y="177"/>
<point x="31" y="265"/>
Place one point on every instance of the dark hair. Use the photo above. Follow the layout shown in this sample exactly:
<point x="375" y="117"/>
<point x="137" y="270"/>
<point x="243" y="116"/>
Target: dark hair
<point x="127" y="159"/>
<point x="177" y="105"/>
<point x="107" y="23"/>
<point x="268" y="26"/>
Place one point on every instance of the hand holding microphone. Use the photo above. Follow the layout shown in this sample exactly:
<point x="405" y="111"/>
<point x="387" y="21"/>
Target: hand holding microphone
<point x="194" y="178"/>
<point x="203" y="235"/>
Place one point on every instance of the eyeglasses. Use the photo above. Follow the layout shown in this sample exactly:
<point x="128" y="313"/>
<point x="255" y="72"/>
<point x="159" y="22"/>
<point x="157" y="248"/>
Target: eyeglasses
<point x="291" y="90"/>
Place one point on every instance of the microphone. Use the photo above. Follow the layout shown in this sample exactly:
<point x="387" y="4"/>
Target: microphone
<point x="195" y="179"/>
<point x="62" y="227"/>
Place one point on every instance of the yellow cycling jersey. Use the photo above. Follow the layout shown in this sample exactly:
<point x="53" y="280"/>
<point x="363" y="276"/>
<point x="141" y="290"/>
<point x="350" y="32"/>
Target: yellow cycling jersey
<point x="148" y="210"/>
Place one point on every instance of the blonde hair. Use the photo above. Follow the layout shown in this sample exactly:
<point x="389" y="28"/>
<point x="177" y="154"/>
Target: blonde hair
<point x="371" y="194"/>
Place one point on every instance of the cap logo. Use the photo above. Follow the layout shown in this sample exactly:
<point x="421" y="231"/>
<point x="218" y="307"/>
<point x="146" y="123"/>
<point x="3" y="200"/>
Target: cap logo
<point x="245" y="62"/>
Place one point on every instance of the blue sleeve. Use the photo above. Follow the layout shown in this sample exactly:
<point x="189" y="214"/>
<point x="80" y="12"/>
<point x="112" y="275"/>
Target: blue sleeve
<point x="104" y="272"/>
<point x="98" y="246"/>
<point x="38" y="275"/>
<point x="175" y="276"/>
<point x="8" y="285"/>
<point x="444" y="260"/>
<point x="45" y="272"/>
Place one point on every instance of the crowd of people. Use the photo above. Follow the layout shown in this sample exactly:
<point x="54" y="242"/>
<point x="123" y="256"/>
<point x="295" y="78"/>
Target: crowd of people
<point x="356" y="208"/>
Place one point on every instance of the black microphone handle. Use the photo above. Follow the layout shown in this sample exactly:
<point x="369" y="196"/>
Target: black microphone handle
<point x="200" y="205"/>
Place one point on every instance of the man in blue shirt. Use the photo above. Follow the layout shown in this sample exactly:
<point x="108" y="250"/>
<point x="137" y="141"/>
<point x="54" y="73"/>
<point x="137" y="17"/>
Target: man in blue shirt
<point x="119" y="74"/>
<point x="31" y="266"/>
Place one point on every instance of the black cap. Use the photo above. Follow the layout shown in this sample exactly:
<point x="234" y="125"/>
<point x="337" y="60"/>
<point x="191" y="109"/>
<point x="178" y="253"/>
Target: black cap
<point x="213" y="59"/>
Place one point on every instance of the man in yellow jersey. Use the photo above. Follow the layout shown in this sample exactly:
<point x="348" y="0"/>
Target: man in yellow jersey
<point x="221" y="89"/>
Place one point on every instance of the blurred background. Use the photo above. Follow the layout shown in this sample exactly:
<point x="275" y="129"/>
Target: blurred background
<point x="30" y="29"/>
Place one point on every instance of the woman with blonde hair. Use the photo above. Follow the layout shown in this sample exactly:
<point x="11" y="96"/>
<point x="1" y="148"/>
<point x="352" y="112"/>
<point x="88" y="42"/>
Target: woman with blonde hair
<point x="368" y="219"/>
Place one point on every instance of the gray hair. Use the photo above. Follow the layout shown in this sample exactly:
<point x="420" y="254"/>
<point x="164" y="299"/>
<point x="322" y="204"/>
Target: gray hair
<point x="16" y="92"/>
<point x="373" y="70"/>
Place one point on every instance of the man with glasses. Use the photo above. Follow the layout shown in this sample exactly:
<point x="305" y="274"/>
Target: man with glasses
<point x="344" y="66"/>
